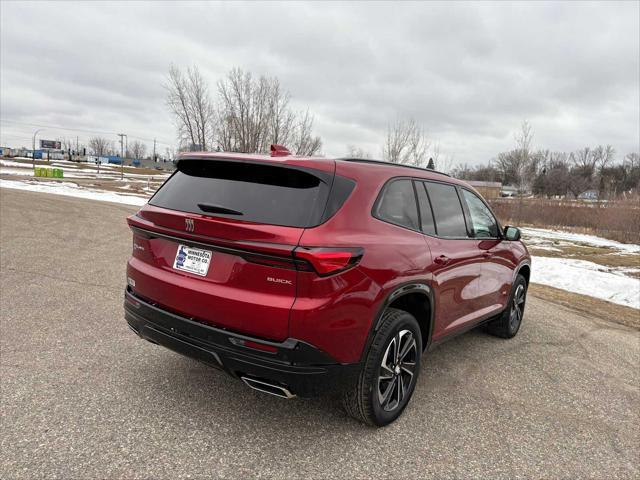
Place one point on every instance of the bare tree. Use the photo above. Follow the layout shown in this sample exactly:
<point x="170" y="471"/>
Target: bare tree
<point x="434" y="153"/>
<point x="519" y="166"/>
<point x="524" y="138"/>
<point x="189" y="100"/>
<point x="357" y="152"/>
<point x="632" y="160"/>
<point x="254" y="113"/>
<point x="584" y="159"/>
<point x="66" y="143"/>
<point x="303" y="141"/>
<point x="138" y="149"/>
<point x="579" y="180"/>
<point x="170" y="154"/>
<point x="406" y="143"/>
<point x="443" y="162"/>
<point x="603" y="156"/>
<point x="244" y="112"/>
<point x="100" y="146"/>
<point x="590" y="161"/>
<point x="281" y="119"/>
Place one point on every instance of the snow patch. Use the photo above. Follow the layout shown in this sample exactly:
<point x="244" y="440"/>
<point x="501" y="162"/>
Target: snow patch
<point x="23" y="172"/>
<point x="540" y="236"/>
<point x="10" y="163"/>
<point x="73" y="190"/>
<point x="587" y="278"/>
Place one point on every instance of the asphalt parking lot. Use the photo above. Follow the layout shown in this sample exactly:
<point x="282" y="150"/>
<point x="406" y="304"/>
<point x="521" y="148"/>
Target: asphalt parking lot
<point x="83" y="397"/>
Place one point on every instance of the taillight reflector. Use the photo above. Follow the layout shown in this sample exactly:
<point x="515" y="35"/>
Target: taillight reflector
<point x="254" y="345"/>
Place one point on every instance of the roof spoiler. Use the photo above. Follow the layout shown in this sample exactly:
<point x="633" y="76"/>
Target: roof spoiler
<point x="279" y="151"/>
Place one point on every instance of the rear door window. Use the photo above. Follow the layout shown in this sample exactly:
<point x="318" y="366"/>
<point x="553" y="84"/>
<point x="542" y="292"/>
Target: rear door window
<point x="246" y="191"/>
<point x="447" y="210"/>
<point x="426" y="214"/>
<point x="397" y="204"/>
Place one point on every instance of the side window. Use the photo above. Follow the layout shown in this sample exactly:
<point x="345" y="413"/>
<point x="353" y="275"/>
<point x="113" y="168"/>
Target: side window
<point x="483" y="221"/>
<point x="426" y="215"/>
<point x="447" y="210"/>
<point x="398" y="205"/>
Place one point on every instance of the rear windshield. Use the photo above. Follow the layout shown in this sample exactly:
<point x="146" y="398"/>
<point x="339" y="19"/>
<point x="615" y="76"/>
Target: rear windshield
<point x="247" y="191"/>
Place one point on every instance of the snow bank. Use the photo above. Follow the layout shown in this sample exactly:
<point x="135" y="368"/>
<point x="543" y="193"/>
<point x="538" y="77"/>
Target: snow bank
<point x="11" y="163"/>
<point x="587" y="278"/>
<point x="73" y="190"/>
<point x="24" y="172"/>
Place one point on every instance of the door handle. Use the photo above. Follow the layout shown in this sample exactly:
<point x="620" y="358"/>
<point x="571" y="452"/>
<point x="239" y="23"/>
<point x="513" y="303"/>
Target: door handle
<point x="441" y="260"/>
<point x="487" y="254"/>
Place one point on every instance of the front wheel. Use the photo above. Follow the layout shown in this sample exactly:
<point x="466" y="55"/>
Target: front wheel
<point x="508" y="323"/>
<point x="390" y="372"/>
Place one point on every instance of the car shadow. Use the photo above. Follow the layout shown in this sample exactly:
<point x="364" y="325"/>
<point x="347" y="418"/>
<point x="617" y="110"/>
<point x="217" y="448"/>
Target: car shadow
<point x="209" y="397"/>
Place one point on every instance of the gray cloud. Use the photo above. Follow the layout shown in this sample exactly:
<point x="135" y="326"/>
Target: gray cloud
<point x="469" y="72"/>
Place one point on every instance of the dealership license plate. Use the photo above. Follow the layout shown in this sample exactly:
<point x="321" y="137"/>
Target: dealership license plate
<point x="192" y="260"/>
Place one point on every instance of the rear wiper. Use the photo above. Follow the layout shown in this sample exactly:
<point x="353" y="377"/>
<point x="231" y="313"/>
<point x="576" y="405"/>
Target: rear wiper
<point x="209" y="208"/>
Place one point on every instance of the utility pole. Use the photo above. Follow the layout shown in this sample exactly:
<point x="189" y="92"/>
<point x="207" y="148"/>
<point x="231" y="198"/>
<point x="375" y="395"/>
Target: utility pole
<point x="154" y="150"/>
<point x="77" y="148"/>
<point x="121" y="135"/>
<point x="33" y="152"/>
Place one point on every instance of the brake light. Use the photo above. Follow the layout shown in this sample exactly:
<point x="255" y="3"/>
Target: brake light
<point x="328" y="261"/>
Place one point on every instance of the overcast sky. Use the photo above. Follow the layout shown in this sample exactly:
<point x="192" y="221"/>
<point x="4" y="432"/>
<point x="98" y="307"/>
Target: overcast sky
<point x="469" y="72"/>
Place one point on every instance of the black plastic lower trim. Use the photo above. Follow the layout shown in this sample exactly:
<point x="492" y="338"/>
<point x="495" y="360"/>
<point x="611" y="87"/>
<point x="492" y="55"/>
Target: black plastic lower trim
<point x="305" y="370"/>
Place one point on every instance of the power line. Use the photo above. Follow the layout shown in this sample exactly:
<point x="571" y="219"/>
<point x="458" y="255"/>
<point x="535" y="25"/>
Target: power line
<point x="99" y="132"/>
<point x="57" y="127"/>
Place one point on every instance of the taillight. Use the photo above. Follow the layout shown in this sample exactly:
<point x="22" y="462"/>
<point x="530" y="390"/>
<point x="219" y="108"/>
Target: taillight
<point x="328" y="261"/>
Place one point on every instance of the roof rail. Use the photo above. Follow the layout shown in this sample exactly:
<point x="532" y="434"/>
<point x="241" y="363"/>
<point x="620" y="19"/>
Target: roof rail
<point x="391" y="164"/>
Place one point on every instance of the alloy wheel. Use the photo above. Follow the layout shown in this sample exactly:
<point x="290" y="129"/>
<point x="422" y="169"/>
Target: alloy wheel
<point x="397" y="370"/>
<point x="517" y="307"/>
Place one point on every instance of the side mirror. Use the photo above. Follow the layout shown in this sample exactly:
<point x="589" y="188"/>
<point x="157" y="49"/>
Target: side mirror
<point x="511" y="233"/>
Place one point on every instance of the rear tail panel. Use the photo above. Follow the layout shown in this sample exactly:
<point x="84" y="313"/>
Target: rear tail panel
<point x="234" y="269"/>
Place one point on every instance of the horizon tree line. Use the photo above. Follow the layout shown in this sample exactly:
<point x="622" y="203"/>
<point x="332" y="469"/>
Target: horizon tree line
<point x="547" y="173"/>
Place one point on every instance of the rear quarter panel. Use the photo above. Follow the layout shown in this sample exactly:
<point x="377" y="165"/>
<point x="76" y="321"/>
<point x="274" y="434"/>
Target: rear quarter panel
<point x="336" y="313"/>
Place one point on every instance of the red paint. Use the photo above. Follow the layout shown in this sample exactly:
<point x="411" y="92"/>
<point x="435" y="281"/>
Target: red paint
<point x="279" y="151"/>
<point x="328" y="283"/>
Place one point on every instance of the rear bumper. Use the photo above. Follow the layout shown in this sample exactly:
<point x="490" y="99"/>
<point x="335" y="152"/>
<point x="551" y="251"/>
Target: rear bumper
<point x="301" y="368"/>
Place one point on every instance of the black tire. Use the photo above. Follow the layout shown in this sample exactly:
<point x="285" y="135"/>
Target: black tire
<point x="509" y="321"/>
<point x="369" y="400"/>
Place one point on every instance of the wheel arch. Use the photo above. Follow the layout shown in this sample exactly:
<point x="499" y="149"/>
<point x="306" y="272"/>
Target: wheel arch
<point x="415" y="298"/>
<point x="524" y="269"/>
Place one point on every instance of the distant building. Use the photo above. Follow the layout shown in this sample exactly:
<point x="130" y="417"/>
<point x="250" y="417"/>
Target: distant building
<point x="486" y="189"/>
<point x="588" y="195"/>
<point x="509" y="191"/>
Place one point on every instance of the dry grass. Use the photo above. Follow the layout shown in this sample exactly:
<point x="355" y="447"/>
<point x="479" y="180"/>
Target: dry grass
<point x="615" y="220"/>
<point x="590" y="306"/>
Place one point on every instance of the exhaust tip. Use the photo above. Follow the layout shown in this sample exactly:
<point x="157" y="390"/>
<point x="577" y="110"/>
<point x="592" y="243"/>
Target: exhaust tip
<point x="268" y="387"/>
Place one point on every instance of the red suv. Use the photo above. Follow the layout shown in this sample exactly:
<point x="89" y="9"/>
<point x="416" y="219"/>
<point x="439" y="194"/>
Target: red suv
<point x="304" y="276"/>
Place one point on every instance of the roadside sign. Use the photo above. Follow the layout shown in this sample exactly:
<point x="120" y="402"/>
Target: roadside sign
<point x="52" y="144"/>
